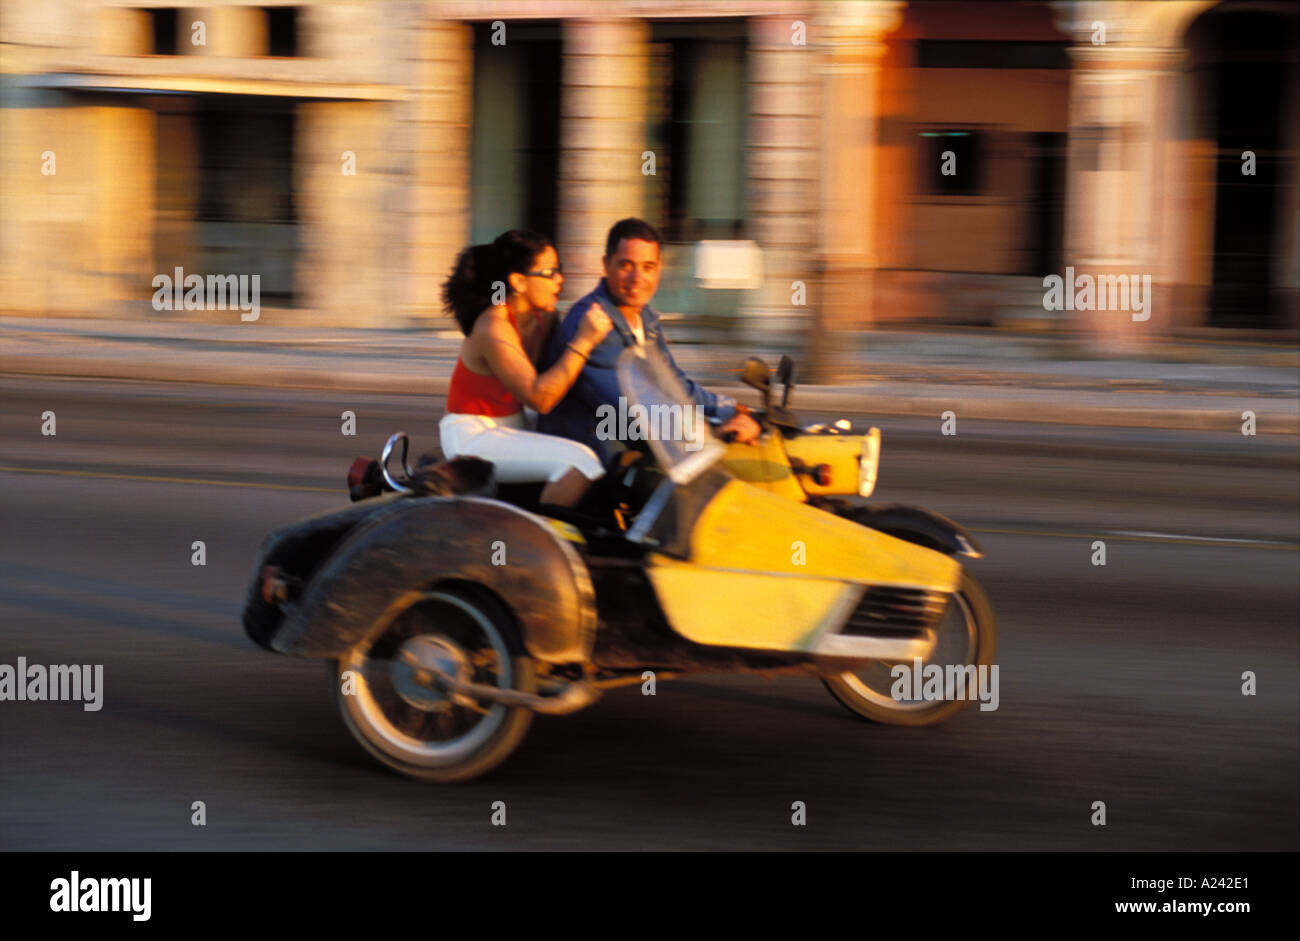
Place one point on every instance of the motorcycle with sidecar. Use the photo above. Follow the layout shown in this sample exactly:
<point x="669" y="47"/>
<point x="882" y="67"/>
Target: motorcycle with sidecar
<point x="450" y="610"/>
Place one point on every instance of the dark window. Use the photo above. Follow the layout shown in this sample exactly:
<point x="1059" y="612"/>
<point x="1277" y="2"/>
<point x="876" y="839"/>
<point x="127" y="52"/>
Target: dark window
<point x="282" y="31"/>
<point x="243" y="184"/>
<point x="959" y="152"/>
<point x="245" y="221"/>
<point x="163" y="20"/>
<point x="697" y="117"/>
<point x="1248" y="96"/>
<point x="990" y="54"/>
<point x="1046" y="233"/>
<point x="514" y="145"/>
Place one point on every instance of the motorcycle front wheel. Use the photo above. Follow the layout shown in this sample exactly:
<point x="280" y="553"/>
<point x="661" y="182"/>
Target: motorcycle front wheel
<point x="965" y="635"/>
<point x="415" y="727"/>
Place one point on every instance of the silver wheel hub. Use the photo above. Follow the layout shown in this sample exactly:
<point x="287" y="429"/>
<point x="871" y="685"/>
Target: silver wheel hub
<point x="401" y="709"/>
<point x="412" y="676"/>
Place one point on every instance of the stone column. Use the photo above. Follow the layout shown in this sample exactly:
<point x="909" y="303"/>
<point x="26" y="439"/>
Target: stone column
<point x="783" y="152"/>
<point x="344" y="235"/>
<point x="124" y="208"/>
<point x="1129" y="177"/>
<point x="49" y="176"/>
<point x="122" y="31"/>
<point x="852" y="41"/>
<point x="1112" y="190"/>
<point x="76" y="175"/>
<point x="602" y="137"/>
<point x="439" y="209"/>
<point x="231" y="31"/>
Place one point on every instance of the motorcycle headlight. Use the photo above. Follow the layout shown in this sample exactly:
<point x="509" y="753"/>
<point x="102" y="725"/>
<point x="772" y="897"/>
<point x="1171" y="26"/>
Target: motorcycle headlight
<point x="868" y="462"/>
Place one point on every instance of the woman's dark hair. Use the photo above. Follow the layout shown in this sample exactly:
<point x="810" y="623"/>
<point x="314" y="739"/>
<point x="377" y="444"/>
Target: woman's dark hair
<point x="467" y="292"/>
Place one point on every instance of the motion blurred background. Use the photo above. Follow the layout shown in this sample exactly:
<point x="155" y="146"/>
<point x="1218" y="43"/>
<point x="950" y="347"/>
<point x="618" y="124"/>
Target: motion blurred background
<point x="345" y="152"/>
<point x="796" y="149"/>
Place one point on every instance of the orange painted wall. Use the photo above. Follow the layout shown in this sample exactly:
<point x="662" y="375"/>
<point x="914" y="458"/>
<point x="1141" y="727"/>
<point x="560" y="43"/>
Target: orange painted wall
<point x="985" y="233"/>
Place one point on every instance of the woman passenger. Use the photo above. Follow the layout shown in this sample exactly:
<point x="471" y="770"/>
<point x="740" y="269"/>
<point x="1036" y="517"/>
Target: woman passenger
<point x="496" y="375"/>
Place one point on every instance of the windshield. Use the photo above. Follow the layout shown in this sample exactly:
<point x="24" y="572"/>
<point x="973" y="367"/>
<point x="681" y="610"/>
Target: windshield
<point x="658" y="410"/>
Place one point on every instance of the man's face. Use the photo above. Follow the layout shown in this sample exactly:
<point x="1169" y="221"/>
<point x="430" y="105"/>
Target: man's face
<point x="632" y="272"/>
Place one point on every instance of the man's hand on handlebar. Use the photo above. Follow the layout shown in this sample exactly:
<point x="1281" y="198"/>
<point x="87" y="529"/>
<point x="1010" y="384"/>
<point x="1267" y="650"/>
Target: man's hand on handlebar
<point x="740" y="427"/>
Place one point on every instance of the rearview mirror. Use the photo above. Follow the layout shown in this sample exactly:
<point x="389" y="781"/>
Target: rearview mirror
<point x="785" y="376"/>
<point x="756" y="374"/>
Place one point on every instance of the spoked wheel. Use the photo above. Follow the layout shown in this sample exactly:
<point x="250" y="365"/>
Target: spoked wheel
<point x="966" y="634"/>
<point x="409" y="722"/>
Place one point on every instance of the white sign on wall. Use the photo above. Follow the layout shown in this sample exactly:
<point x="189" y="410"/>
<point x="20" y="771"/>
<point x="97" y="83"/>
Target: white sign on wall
<point x="737" y="265"/>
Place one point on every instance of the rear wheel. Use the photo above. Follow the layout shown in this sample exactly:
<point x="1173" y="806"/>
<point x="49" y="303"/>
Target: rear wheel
<point x="416" y="727"/>
<point x="966" y="634"/>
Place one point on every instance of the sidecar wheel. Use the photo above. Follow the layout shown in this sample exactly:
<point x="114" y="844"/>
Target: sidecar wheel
<point x="966" y="635"/>
<point x="422" y="731"/>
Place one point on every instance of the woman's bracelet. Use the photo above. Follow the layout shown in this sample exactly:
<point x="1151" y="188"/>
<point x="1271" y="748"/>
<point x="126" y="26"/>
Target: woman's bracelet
<point x="570" y="346"/>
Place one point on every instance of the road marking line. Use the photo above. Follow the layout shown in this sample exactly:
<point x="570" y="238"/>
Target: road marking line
<point x="166" y="480"/>
<point x="1125" y="536"/>
<point x="1175" y="536"/>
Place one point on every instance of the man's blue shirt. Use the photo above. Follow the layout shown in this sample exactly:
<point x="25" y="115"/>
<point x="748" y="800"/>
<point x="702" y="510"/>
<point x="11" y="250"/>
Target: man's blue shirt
<point x="597" y="384"/>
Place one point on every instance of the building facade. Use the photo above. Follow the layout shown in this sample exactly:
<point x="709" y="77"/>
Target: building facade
<point x="825" y="165"/>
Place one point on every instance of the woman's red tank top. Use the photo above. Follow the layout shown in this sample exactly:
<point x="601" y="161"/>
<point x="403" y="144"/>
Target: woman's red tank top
<point x="473" y="394"/>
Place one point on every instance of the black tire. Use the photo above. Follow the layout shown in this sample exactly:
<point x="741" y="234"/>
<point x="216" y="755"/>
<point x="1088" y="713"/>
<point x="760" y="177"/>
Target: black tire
<point x="421" y="732"/>
<point x="866" y="693"/>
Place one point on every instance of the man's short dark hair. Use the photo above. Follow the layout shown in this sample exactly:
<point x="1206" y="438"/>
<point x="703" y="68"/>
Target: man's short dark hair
<point x="630" y="228"/>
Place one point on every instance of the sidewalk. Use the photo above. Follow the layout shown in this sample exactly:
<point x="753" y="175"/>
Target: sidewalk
<point x="976" y="374"/>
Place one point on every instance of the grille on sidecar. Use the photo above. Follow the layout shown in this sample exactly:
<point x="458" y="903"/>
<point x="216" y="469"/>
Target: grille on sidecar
<point x="890" y="611"/>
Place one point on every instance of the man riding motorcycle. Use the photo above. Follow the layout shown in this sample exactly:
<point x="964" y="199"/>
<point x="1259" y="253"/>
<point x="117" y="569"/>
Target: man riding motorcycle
<point x="632" y="271"/>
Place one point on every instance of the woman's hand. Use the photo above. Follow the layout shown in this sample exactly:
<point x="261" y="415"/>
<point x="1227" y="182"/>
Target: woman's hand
<point x="594" y="328"/>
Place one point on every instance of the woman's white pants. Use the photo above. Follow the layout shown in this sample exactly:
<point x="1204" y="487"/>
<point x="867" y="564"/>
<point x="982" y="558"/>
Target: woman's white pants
<point x="520" y="455"/>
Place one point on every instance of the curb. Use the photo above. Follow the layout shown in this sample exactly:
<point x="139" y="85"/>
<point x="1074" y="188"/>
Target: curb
<point x="820" y="398"/>
<point x="204" y="374"/>
<point x="1226" y="419"/>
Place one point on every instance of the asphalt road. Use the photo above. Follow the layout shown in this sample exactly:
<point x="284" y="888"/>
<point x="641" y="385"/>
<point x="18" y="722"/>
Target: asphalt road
<point x="1119" y="684"/>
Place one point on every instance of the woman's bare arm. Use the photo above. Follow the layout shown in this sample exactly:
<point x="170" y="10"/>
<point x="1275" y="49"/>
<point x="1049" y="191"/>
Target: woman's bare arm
<point x="508" y="361"/>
